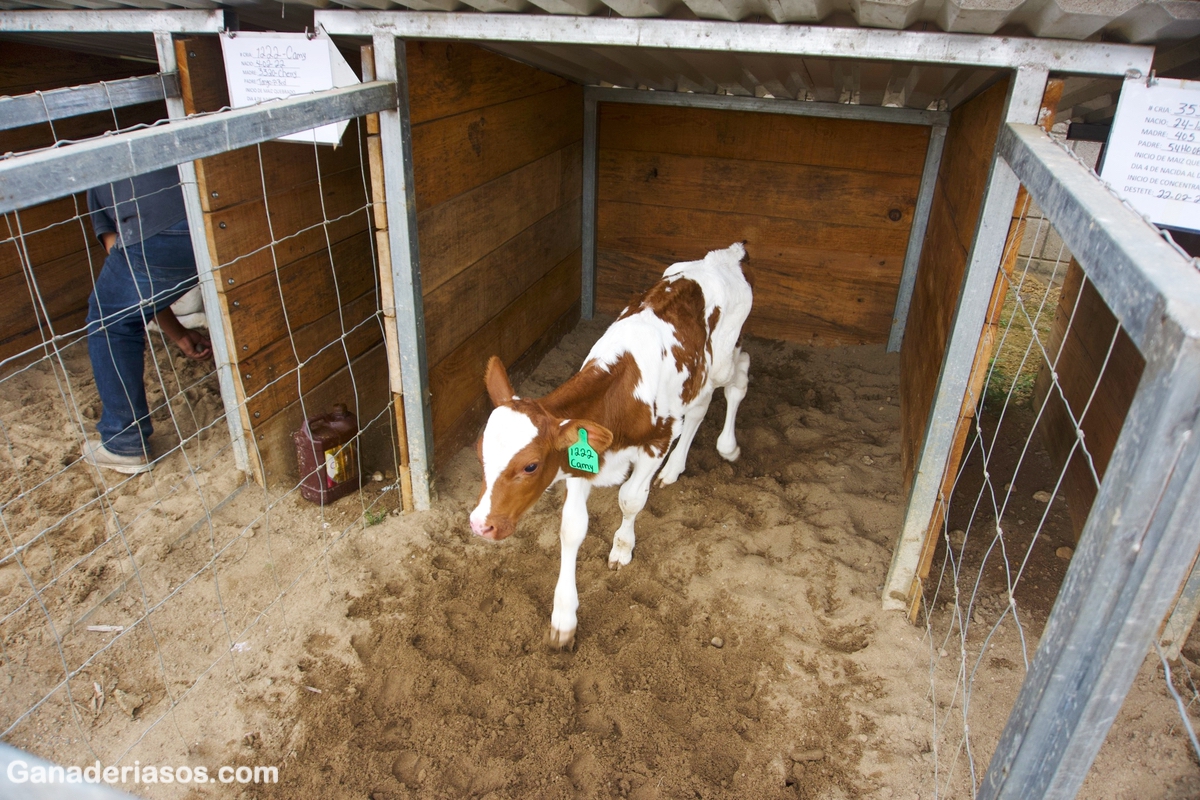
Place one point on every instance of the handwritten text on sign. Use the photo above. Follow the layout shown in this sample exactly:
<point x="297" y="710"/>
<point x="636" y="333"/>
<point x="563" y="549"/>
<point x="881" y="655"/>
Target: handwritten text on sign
<point x="269" y="66"/>
<point x="1153" y="154"/>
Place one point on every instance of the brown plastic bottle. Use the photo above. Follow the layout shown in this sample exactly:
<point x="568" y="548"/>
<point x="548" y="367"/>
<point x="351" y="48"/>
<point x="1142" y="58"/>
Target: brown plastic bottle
<point x="325" y="453"/>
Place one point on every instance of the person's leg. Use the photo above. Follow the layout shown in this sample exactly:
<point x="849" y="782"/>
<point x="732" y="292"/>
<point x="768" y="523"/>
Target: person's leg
<point x="128" y="292"/>
<point x="116" y="343"/>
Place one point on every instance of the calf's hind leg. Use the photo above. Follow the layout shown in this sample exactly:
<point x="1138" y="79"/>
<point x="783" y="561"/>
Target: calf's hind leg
<point x="735" y="392"/>
<point x="632" y="498"/>
<point x="677" y="461"/>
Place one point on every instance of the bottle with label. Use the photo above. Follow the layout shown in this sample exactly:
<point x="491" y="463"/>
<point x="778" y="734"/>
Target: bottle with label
<point x="326" y="456"/>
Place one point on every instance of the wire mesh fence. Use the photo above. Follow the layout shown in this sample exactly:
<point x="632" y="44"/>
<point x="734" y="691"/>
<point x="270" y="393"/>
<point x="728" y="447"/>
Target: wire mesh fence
<point x="121" y="595"/>
<point x="1044" y="418"/>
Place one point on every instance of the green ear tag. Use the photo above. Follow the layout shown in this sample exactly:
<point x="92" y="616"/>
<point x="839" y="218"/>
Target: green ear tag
<point x="581" y="455"/>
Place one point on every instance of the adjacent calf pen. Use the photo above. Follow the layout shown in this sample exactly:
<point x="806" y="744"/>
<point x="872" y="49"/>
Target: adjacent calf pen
<point x="483" y="205"/>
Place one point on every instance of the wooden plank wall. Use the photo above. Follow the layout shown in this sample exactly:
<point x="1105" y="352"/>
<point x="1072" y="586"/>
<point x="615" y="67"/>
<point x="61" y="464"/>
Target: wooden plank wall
<point x="61" y="251"/>
<point x="498" y="152"/>
<point x="1081" y="354"/>
<point x="298" y="297"/>
<point x="824" y="205"/>
<point x="958" y="197"/>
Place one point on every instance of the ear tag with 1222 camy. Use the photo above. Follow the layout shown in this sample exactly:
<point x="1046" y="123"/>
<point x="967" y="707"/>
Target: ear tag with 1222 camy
<point x="581" y="456"/>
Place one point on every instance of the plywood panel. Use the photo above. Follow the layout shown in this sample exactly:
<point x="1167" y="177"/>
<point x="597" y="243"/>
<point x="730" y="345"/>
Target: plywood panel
<point x="953" y="218"/>
<point x="241" y="236"/>
<point x="239" y="175"/>
<point x="447" y="78"/>
<point x="459" y="232"/>
<point x="453" y="310"/>
<point x="467" y="150"/>
<point x="824" y="206"/>
<point x="770" y="189"/>
<point x="846" y="144"/>
<point x="457" y="381"/>
<point x="498" y="181"/>
<point x="272" y="376"/>
<point x="269" y="308"/>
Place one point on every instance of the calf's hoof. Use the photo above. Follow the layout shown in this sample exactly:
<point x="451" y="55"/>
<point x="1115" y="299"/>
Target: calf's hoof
<point x="619" y="558"/>
<point x="730" y="455"/>
<point x="560" y="640"/>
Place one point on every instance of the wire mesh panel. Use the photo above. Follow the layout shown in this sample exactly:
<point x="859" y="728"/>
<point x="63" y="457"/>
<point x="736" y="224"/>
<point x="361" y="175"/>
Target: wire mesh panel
<point x="134" y="575"/>
<point x="1046" y="410"/>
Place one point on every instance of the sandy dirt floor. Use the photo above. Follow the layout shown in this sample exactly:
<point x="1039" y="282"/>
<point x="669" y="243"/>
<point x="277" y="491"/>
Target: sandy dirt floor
<point x="743" y="652"/>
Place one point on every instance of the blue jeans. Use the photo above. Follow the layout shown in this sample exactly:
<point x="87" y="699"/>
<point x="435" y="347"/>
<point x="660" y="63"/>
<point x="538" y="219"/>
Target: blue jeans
<point x="135" y="284"/>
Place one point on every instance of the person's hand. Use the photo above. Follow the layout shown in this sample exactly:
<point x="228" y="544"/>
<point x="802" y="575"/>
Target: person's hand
<point x="108" y="239"/>
<point x="194" y="345"/>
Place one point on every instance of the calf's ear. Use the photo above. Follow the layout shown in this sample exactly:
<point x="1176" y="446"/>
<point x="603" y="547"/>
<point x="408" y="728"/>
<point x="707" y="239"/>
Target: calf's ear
<point x="498" y="386"/>
<point x="599" y="437"/>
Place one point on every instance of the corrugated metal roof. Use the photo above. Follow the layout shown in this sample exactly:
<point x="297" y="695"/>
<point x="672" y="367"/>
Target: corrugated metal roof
<point x="1136" y="21"/>
<point x="1173" y="25"/>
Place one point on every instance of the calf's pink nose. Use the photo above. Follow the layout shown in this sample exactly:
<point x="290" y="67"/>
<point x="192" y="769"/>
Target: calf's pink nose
<point x="481" y="528"/>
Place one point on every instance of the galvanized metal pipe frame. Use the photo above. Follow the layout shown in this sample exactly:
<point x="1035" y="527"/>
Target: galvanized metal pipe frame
<point x="395" y="133"/>
<point x="916" y="237"/>
<point x="164" y="44"/>
<point x="39" y="107"/>
<point x="762" y="105"/>
<point x="37" y="177"/>
<point x="110" y="21"/>
<point x="587" y="299"/>
<point x="1024" y="101"/>
<point x="945" y="49"/>
<point x="1136" y="547"/>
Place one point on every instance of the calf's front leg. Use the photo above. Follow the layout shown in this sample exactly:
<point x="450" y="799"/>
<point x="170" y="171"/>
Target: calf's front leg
<point x="570" y="536"/>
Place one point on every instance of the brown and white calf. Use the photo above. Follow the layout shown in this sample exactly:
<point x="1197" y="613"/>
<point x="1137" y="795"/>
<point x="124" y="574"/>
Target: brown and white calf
<point x="645" y="385"/>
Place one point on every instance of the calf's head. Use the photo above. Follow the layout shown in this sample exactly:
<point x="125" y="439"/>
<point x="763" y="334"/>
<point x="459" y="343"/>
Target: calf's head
<point x="522" y="450"/>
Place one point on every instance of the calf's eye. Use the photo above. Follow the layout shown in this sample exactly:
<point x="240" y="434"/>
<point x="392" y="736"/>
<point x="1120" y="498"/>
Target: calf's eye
<point x="531" y="468"/>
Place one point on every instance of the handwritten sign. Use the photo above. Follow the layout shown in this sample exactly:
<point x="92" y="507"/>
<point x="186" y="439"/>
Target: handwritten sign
<point x="1153" y="154"/>
<point x="269" y="66"/>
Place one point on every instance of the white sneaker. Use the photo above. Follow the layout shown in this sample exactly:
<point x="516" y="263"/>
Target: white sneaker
<point x="98" y="455"/>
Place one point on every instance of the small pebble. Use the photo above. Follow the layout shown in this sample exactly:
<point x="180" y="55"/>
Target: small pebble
<point x="956" y="538"/>
<point x="868" y="460"/>
<point x="1043" y="497"/>
<point x="943" y="652"/>
<point x="1065" y="553"/>
<point x="807" y="755"/>
<point x="377" y="477"/>
<point x="978" y="618"/>
<point x="717" y="642"/>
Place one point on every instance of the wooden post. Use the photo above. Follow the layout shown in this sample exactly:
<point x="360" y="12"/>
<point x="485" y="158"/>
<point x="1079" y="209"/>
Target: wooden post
<point x="386" y="293"/>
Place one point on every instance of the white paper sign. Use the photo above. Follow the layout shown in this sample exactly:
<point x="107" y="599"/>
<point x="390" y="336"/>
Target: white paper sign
<point x="270" y="66"/>
<point x="1153" y="154"/>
